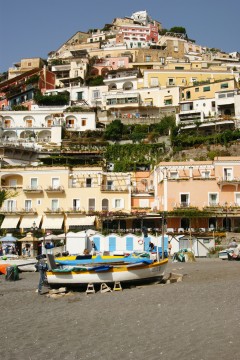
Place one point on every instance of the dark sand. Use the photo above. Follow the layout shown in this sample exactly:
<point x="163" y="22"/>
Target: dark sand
<point x="198" y="318"/>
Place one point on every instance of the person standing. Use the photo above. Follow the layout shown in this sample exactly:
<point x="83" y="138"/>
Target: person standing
<point x="41" y="267"/>
<point x="169" y="248"/>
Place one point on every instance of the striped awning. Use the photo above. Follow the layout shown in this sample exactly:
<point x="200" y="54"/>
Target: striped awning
<point x="52" y="222"/>
<point x="10" y="222"/>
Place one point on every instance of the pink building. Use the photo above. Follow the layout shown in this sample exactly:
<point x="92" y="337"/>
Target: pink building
<point x="103" y="65"/>
<point x="201" y="195"/>
<point x="140" y="33"/>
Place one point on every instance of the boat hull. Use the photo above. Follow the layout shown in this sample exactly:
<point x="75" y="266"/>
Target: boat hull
<point x="126" y="273"/>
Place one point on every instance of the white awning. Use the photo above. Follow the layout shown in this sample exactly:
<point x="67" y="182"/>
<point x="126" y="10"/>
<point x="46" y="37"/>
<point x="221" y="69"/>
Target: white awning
<point x="52" y="222"/>
<point x="10" y="222"/>
<point x="28" y="220"/>
<point x="80" y="220"/>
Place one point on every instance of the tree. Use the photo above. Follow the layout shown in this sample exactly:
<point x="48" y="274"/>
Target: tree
<point x="114" y="130"/>
<point x="178" y="30"/>
<point x="6" y="194"/>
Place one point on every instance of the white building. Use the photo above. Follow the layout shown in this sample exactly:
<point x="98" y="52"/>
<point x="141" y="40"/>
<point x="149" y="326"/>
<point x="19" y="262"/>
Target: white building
<point x="43" y="124"/>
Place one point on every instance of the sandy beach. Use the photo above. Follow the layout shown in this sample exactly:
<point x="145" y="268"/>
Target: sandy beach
<point x="198" y="318"/>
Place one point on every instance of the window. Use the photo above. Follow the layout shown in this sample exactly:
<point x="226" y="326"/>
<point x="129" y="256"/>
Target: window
<point x="91" y="204"/>
<point x="29" y="123"/>
<point x="76" y="204"/>
<point x="109" y="185"/>
<point x="89" y="182"/>
<point x="184" y="200"/>
<point x="173" y="175"/>
<point x="148" y="58"/>
<point x="84" y="122"/>
<point x="168" y="102"/>
<point x="13" y="182"/>
<point x="39" y="201"/>
<point x="11" y="205"/>
<point x="206" y="88"/>
<point x="206" y="174"/>
<point x="75" y="73"/>
<point x="95" y="94"/>
<point x="118" y="204"/>
<point x="188" y="95"/>
<point x="7" y="123"/>
<point x="70" y="123"/>
<point x="80" y="95"/>
<point x="28" y="205"/>
<point x="224" y="86"/>
<point x="105" y="204"/>
<point x="197" y="89"/>
<point x="34" y="183"/>
<point x="221" y="96"/>
<point x="213" y="199"/>
<point x="171" y="81"/>
<point x="237" y="199"/>
<point x="121" y="63"/>
<point x="179" y="67"/>
<point x="227" y="174"/>
<point x="55" y="183"/>
<point x="54" y="204"/>
<point x="154" y="81"/>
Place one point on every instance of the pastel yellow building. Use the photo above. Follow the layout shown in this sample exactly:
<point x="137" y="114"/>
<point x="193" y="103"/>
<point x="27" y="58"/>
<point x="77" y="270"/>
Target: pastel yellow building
<point x="183" y="78"/>
<point x="61" y="197"/>
<point x="207" y="89"/>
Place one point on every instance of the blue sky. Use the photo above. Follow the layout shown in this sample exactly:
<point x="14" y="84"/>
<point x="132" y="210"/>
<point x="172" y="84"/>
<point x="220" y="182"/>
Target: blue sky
<point x="32" y="29"/>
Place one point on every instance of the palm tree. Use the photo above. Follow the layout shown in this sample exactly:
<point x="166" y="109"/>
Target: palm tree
<point x="6" y="194"/>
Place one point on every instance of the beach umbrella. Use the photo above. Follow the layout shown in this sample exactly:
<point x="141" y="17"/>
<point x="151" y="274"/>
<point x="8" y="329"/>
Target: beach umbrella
<point x="8" y="238"/>
<point x="29" y="237"/>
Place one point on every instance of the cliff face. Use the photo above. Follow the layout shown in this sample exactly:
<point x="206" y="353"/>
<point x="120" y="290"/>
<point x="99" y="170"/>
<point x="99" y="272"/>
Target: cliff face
<point x="207" y="152"/>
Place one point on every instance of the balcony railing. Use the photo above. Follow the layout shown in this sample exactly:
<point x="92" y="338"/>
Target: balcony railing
<point x="137" y="191"/>
<point x="54" y="211"/>
<point x="33" y="189"/>
<point x="14" y="210"/>
<point x="107" y="188"/>
<point x="55" y="189"/>
<point x="11" y="187"/>
<point x="75" y="210"/>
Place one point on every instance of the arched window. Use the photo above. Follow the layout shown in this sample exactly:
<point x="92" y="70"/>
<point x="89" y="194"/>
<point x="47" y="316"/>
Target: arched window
<point x="128" y="85"/>
<point x="105" y="205"/>
<point x="112" y="86"/>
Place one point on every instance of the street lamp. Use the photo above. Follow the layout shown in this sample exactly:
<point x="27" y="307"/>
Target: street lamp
<point x="34" y="228"/>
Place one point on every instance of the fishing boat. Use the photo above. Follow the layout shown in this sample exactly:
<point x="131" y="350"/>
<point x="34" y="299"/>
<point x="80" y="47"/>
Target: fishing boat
<point x="143" y="269"/>
<point x="101" y="259"/>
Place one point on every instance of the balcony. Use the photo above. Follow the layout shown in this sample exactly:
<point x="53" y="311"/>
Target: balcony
<point x="33" y="189"/>
<point x="11" y="187"/>
<point x="147" y="191"/>
<point x="54" y="211"/>
<point x="179" y="178"/>
<point x="107" y="188"/>
<point x="16" y="211"/>
<point x="55" y="189"/>
<point x="182" y="205"/>
<point x="75" y="210"/>
<point x="228" y="181"/>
